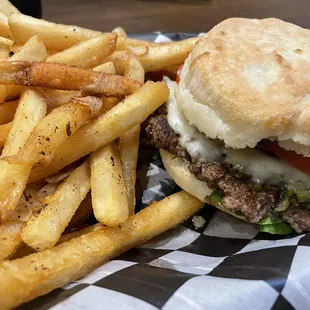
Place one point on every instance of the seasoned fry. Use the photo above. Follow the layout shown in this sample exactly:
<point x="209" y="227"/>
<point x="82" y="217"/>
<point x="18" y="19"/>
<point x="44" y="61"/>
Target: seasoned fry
<point x="56" y="98"/>
<point x="7" y="7"/>
<point x="164" y="55"/>
<point x="87" y="54"/>
<point x="129" y="147"/>
<point x="5" y="30"/>
<point x="50" y="132"/>
<point x="107" y="127"/>
<point x="44" y="229"/>
<point x="25" y="250"/>
<point x="120" y="60"/>
<point x="120" y="32"/>
<point x="4" y="131"/>
<point x="107" y="67"/>
<point x="54" y="36"/>
<point x="107" y="186"/>
<point x="59" y="76"/>
<point x="31" y="108"/>
<point x="10" y="234"/>
<point x="129" y="142"/>
<point x="5" y="48"/>
<point x="32" y="50"/>
<point x="7" y="111"/>
<point x="74" y="258"/>
<point x="155" y="57"/>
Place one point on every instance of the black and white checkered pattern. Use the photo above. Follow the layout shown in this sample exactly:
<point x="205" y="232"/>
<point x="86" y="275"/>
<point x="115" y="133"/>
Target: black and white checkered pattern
<point x="227" y="264"/>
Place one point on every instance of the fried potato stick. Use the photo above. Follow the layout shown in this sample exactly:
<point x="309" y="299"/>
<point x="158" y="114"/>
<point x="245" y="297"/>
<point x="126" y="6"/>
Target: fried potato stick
<point x="59" y="76"/>
<point x="127" y="114"/>
<point x="40" y="273"/>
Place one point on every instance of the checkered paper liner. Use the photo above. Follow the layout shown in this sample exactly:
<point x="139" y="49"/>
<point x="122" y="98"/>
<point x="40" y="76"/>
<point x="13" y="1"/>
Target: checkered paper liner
<point x="226" y="264"/>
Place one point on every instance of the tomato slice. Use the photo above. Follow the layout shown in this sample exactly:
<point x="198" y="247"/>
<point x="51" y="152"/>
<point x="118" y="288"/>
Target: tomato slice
<point x="298" y="161"/>
<point x="179" y="74"/>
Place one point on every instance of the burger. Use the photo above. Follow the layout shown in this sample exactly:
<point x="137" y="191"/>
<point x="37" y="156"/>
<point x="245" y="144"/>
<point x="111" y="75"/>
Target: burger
<point x="235" y="131"/>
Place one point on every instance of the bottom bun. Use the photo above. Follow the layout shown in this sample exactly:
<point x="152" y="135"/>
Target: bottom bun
<point x="178" y="170"/>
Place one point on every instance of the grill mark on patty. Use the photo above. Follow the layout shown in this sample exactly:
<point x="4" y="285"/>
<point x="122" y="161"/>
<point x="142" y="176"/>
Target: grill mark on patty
<point x="238" y="193"/>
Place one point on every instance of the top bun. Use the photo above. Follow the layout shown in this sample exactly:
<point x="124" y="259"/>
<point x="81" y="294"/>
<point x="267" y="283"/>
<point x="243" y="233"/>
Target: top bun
<point x="247" y="80"/>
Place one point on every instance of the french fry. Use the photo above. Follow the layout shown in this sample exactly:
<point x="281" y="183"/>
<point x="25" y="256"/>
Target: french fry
<point x="155" y="57"/>
<point x="31" y="108"/>
<point x="107" y="67"/>
<point x="25" y="250"/>
<point x="87" y="54"/>
<point x="10" y="236"/>
<point x="40" y="273"/>
<point x="4" y="131"/>
<point x="5" y="48"/>
<point x="54" y="36"/>
<point x="129" y="142"/>
<point x="7" y="111"/>
<point x="108" y="189"/>
<point x="56" y="98"/>
<point x="120" y="60"/>
<point x="50" y="132"/>
<point x="164" y="55"/>
<point x="32" y="50"/>
<point x="120" y="32"/>
<point x="127" y="114"/>
<point x="59" y="76"/>
<point x="43" y="230"/>
<point x="83" y="212"/>
<point x="5" y="30"/>
<point x="7" y="7"/>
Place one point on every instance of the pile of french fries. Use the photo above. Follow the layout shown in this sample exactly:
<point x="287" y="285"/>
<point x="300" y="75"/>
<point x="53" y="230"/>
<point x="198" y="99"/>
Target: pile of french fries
<point x="71" y="104"/>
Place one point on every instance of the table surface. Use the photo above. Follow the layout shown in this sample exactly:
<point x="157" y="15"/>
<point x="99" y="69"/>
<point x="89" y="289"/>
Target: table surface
<point x="141" y="16"/>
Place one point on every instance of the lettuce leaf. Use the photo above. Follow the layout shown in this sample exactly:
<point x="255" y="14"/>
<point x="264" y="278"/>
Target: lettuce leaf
<point x="276" y="229"/>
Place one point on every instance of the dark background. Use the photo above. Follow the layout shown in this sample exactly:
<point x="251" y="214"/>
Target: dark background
<point x="168" y="15"/>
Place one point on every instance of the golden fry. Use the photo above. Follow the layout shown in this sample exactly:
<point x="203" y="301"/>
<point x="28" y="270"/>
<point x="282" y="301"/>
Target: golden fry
<point x="5" y="30"/>
<point x="108" y="188"/>
<point x="5" y="48"/>
<point x="107" y="127"/>
<point x="155" y="57"/>
<point x="10" y="234"/>
<point x="31" y="108"/>
<point x="107" y="67"/>
<point x="4" y="131"/>
<point x="59" y="76"/>
<point x="7" y="7"/>
<point x="43" y="230"/>
<point x="129" y="142"/>
<point x="87" y="54"/>
<point x="40" y="273"/>
<point x="7" y="111"/>
<point x="32" y="50"/>
<point x="120" y="32"/>
<point x="50" y="132"/>
<point x="54" y="36"/>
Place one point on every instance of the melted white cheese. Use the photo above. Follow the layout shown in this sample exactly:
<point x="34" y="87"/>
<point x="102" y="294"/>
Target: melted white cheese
<point x="260" y="166"/>
<point x="196" y="144"/>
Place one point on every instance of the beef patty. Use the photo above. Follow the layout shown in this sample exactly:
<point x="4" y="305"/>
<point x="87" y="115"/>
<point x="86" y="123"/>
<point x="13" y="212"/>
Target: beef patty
<point x="239" y="195"/>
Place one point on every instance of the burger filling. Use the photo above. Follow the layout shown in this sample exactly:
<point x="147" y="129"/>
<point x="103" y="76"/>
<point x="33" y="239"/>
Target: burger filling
<point x="249" y="183"/>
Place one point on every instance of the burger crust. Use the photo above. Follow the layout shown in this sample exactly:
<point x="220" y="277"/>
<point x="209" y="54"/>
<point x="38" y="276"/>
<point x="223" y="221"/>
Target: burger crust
<point x="248" y="80"/>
